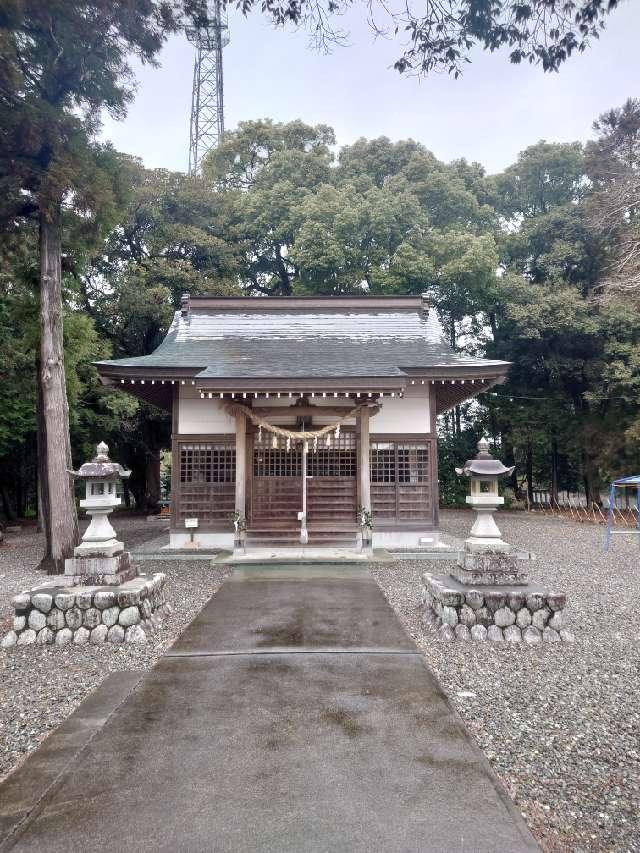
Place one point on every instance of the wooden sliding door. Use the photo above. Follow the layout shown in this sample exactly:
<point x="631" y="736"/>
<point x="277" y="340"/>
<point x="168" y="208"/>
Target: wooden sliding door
<point x="402" y="476"/>
<point x="332" y="492"/>
<point x="276" y="487"/>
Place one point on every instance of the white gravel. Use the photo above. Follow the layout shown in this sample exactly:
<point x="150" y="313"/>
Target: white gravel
<point x="41" y="685"/>
<point x="559" y="723"/>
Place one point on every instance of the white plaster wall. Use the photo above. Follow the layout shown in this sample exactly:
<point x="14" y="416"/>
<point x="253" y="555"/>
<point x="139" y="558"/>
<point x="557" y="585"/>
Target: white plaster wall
<point x="406" y="538"/>
<point x="221" y="540"/>
<point x="381" y="539"/>
<point x="403" y="414"/>
<point x="196" y="415"/>
<point x="408" y="414"/>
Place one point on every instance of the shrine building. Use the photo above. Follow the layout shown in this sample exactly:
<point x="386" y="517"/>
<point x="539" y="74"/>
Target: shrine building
<point x="300" y="417"/>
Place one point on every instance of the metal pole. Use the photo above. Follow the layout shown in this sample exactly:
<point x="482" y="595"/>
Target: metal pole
<point x="612" y="498"/>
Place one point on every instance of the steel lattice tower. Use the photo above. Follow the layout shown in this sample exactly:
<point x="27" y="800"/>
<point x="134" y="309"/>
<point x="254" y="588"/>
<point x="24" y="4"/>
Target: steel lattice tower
<point x="207" y="100"/>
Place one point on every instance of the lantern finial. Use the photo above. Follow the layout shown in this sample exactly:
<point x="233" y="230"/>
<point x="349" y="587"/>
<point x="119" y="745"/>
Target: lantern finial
<point x="483" y="445"/>
<point x="102" y="452"/>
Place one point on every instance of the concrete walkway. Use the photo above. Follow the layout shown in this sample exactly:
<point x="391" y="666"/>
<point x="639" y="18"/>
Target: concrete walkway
<point x="294" y="714"/>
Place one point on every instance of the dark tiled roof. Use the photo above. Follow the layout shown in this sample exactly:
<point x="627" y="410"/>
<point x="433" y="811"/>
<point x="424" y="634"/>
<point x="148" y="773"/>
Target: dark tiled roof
<point x="231" y="343"/>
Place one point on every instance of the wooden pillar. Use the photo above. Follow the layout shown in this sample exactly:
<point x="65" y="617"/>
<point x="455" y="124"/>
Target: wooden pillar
<point x="433" y="455"/>
<point x="176" y="485"/>
<point x="241" y="464"/>
<point x="304" y="533"/>
<point x="365" y="478"/>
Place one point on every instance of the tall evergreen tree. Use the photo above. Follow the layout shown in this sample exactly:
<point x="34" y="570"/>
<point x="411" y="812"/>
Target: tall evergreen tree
<point x="613" y="167"/>
<point x="60" y="65"/>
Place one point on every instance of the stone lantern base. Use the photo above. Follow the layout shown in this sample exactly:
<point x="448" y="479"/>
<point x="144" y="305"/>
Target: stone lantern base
<point x="95" y="567"/>
<point x="499" y="613"/>
<point x="502" y="567"/>
<point x="53" y="614"/>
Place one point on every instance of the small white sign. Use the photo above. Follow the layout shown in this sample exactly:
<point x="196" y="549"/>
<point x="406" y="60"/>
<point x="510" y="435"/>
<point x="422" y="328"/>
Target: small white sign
<point x="190" y="523"/>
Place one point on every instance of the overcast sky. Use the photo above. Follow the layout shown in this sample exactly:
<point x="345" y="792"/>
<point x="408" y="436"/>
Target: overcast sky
<point x="494" y="111"/>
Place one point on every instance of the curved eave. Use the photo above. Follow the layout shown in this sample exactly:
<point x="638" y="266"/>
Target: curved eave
<point x="450" y="393"/>
<point x="451" y="385"/>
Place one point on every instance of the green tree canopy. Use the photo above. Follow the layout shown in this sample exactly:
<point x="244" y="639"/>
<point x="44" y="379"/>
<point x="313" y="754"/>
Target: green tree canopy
<point x="60" y="65"/>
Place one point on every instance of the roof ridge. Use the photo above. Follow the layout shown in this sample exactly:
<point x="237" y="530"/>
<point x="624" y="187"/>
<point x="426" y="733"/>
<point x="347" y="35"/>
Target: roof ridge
<point x="270" y="304"/>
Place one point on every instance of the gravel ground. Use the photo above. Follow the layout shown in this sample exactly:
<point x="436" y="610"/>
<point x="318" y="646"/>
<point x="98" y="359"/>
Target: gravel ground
<point x="41" y="685"/>
<point x="559" y="723"/>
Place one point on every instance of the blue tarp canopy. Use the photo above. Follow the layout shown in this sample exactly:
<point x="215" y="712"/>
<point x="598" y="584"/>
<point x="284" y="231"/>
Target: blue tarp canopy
<point x="632" y="482"/>
<point x="628" y="481"/>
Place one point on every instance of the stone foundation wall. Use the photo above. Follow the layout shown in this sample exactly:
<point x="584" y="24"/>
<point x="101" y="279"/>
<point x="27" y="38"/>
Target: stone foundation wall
<point x="88" y="614"/>
<point x="99" y="570"/>
<point x="492" y="568"/>
<point x="530" y="614"/>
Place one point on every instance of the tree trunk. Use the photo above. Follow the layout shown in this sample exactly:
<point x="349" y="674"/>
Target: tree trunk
<point x="554" y="470"/>
<point x="285" y="280"/>
<point x="529" y="472"/>
<point x="138" y="488"/>
<point x="591" y="479"/>
<point x="7" y="507"/>
<point x="44" y="513"/>
<point x="493" y="324"/>
<point x="510" y="459"/>
<point x="153" y="479"/>
<point x="62" y="518"/>
<point x="19" y="495"/>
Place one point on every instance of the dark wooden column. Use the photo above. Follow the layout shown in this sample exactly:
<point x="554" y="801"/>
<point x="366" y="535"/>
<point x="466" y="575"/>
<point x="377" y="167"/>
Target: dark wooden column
<point x="175" y="458"/>
<point x="365" y="478"/>
<point x="241" y="464"/>
<point x="433" y="430"/>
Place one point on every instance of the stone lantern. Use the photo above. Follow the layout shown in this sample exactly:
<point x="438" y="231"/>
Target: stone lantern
<point x="101" y="598"/>
<point x="487" y="595"/>
<point x="484" y="472"/>
<point x="100" y="557"/>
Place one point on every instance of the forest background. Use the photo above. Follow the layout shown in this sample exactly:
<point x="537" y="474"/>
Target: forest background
<point x="538" y="265"/>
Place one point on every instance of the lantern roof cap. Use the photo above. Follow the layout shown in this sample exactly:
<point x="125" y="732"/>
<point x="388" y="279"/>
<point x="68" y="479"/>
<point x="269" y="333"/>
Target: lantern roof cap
<point x="101" y="467"/>
<point x="484" y="465"/>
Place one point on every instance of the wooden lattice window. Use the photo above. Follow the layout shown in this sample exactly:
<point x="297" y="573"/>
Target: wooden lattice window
<point x="207" y="463"/>
<point x="413" y="463"/>
<point x="273" y="462"/>
<point x="207" y="481"/>
<point x="401" y="480"/>
<point x="338" y="460"/>
<point x="383" y="462"/>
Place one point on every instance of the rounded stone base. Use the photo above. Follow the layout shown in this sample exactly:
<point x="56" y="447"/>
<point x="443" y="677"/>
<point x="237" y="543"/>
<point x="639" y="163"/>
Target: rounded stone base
<point x="526" y="614"/>
<point x="88" y="614"/>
